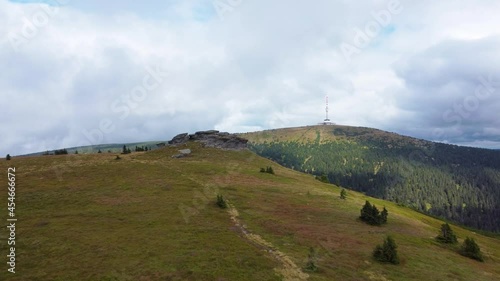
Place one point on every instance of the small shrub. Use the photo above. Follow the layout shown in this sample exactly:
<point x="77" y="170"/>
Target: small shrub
<point x="383" y="216"/>
<point x="387" y="252"/>
<point x="343" y="194"/>
<point x="311" y="265"/>
<point x="118" y="157"/>
<point x="221" y="202"/>
<point x="268" y="170"/>
<point x="471" y="250"/>
<point x="8" y="157"/>
<point x="323" y="178"/>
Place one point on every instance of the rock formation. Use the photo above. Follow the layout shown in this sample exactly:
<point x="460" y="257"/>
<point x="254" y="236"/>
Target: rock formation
<point x="212" y="138"/>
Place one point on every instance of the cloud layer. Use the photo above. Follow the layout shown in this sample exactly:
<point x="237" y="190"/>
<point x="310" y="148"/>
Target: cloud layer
<point x="85" y="72"/>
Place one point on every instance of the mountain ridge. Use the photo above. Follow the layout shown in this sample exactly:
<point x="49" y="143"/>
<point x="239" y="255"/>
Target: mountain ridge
<point x="449" y="181"/>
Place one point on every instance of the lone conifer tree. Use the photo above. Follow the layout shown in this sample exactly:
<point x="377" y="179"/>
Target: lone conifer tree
<point x="471" y="249"/>
<point x="311" y="261"/>
<point x="8" y="157"/>
<point x="446" y="235"/>
<point x="387" y="252"/>
<point x="366" y="212"/>
<point x="270" y="170"/>
<point x="343" y="194"/>
<point x="383" y="216"/>
<point x="221" y="202"/>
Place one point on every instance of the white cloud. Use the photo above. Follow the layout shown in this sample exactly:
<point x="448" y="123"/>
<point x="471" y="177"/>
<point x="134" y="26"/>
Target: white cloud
<point x="267" y="64"/>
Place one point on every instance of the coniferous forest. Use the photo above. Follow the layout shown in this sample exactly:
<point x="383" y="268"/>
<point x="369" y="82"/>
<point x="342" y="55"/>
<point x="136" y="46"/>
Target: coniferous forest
<point x="461" y="184"/>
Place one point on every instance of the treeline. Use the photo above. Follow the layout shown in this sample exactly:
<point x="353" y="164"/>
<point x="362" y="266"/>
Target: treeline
<point x="457" y="183"/>
<point x="57" y="152"/>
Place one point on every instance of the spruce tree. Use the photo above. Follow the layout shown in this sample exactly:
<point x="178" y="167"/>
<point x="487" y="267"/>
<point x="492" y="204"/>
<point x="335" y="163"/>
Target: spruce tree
<point x="471" y="249"/>
<point x="446" y="235"/>
<point x="387" y="252"/>
<point x="366" y="211"/>
<point x="323" y="178"/>
<point x="124" y="151"/>
<point x="311" y="261"/>
<point x="383" y="216"/>
<point x="371" y="215"/>
<point x="343" y="194"/>
<point x="8" y="157"/>
<point x="221" y="202"/>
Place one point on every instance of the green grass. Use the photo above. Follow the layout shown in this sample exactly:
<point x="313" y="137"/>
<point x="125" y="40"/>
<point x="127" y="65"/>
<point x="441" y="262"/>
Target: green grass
<point x="90" y="217"/>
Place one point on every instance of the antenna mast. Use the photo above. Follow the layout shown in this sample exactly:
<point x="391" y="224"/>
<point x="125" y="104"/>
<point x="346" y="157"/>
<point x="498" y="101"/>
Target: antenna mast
<point x="326" y="119"/>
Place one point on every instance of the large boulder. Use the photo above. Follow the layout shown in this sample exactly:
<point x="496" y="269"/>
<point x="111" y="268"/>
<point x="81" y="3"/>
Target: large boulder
<point x="182" y="153"/>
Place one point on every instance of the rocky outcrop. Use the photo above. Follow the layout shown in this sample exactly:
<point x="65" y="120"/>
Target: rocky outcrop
<point x="213" y="139"/>
<point x="179" y="139"/>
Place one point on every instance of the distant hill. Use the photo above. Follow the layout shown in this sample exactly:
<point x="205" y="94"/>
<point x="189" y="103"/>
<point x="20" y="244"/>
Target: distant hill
<point x="104" y="148"/>
<point x="148" y="216"/>
<point x="461" y="184"/>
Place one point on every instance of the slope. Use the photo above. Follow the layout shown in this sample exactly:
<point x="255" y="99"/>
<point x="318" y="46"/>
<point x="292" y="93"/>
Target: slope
<point x="457" y="183"/>
<point x="148" y="216"/>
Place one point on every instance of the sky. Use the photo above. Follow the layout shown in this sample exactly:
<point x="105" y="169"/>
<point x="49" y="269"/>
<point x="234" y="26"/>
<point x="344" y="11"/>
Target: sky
<point x="89" y="72"/>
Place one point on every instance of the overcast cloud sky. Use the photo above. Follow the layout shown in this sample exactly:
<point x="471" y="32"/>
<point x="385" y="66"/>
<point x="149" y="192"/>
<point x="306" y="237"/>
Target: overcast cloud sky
<point x="87" y="72"/>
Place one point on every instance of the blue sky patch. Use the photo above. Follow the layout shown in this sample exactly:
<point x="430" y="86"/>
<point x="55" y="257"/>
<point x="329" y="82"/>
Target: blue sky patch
<point x="48" y="2"/>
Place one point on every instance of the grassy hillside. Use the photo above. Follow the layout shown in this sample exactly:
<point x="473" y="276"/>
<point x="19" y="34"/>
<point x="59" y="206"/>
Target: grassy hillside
<point x="148" y="216"/>
<point x="449" y="181"/>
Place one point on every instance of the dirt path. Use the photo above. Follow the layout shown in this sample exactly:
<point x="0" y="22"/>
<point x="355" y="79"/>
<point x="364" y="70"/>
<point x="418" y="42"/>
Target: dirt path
<point x="289" y="270"/>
